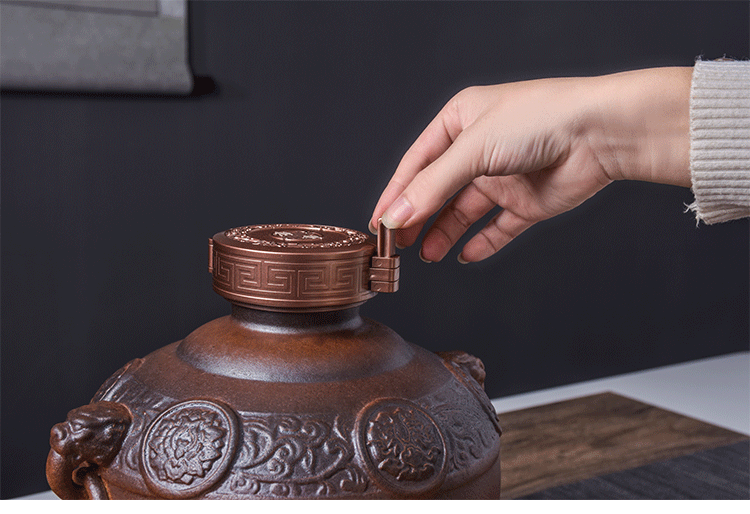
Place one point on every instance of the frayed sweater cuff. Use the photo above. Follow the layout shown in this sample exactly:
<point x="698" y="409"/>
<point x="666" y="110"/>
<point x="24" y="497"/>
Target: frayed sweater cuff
<point x="720" y="140"/>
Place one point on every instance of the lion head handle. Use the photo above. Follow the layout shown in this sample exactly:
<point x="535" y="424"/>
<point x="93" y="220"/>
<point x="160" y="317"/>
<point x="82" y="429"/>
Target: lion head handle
<point x="470" y="364"/>
<point x="87" y="440"/>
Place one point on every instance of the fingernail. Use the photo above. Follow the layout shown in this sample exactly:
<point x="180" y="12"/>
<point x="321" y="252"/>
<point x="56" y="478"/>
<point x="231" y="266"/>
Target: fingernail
<point x="423" y="259"/>
<point x="398" y="213"/>
<point x="400" y="247"/>
<point x="372" y="229"/>
<point x="461" y="260"/>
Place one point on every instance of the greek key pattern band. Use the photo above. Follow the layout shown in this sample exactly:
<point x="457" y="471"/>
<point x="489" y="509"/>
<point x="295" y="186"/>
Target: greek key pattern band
<point x="269" y="283"/>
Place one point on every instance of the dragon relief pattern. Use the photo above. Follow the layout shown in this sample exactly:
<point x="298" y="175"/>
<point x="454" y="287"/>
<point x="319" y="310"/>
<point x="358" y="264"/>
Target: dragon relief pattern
<point x="469" y="371"/>
<point x="289" y="456"/>
<point x="283" y="235"/>
<point x="109" y="388"/>
<point x="464" y="423"/>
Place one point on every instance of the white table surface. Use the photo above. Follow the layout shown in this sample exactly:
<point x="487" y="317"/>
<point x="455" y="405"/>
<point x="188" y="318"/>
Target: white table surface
<point x="714" y="390"/>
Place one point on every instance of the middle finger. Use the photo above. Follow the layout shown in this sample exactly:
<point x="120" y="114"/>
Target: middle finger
<point x="468" y="206"/>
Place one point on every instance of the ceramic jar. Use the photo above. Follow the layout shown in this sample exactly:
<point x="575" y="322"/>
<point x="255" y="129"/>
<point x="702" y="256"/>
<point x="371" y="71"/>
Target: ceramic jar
<point x="292" y="395"/>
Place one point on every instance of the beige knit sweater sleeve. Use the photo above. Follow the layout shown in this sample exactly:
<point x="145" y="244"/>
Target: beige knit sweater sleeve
<point x="720" y="140"/>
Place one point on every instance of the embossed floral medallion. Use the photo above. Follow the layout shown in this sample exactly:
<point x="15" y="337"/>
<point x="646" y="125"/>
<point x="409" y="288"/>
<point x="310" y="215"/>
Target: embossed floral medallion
<point x="402" y="446"/>
<point x="188" y="448"/>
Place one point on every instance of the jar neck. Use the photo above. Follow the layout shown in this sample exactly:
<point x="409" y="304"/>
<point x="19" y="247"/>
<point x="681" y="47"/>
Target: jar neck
<point x="296" y="322"/>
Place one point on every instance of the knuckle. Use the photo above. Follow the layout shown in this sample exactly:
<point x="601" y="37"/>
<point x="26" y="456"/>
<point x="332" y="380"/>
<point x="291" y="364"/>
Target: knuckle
<point x="439" y="241"/>
<point x="501" y="229"/>
<point x="458" y="101"/>
<point x="469" y="91"/>
<point x="494" y="245"/>
<point x="461" y="218"/>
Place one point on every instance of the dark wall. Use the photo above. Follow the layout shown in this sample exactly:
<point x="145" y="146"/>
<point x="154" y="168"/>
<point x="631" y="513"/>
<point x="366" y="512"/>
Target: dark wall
<point x="107" y="202"/>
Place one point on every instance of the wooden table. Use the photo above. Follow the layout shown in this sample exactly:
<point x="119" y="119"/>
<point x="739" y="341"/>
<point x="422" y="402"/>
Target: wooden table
<point x="570" y="441"/>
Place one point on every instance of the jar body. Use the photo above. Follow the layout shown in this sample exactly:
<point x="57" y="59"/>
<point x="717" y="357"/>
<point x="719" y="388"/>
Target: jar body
<point x="261" y="405"/>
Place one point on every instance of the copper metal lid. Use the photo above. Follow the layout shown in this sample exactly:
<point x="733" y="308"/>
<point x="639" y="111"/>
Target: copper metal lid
<point x="291" y="267"/>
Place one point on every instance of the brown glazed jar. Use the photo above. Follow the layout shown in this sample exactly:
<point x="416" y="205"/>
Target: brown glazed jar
<point x="293" y="395"/>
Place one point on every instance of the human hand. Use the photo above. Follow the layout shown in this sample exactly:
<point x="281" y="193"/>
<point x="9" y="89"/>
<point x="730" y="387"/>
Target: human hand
<point x="536" y="149"/>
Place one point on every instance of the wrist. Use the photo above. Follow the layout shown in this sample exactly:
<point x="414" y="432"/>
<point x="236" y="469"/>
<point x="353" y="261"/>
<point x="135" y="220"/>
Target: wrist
<point x="643" y="125"/>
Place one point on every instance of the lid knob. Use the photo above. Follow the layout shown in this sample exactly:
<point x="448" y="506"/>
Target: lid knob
<point x="384" y="273"/>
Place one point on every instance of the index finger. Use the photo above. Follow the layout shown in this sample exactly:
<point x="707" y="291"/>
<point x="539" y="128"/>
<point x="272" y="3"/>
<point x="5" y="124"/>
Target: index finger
<point x="436" y="138"/>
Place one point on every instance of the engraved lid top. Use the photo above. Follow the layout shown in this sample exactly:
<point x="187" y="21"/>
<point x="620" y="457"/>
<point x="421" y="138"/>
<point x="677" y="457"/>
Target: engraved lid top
<point x="286" y="238"/>
<point x="298" y="267"/>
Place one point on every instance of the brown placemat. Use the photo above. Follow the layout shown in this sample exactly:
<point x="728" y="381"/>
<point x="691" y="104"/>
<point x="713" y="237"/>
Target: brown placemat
<point x="570" y="441"/>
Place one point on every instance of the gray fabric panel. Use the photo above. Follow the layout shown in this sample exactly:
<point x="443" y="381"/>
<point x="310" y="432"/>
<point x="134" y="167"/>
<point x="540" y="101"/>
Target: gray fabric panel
<point x="717" y="474"/>
<point x="48" y="47"/>
<point x="127" y="6"/>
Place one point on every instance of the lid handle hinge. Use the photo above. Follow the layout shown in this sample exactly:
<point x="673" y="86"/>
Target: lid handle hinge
<point x="384" y="267"/>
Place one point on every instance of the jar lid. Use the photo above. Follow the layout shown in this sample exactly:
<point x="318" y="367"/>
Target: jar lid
<point x="298" y="267"/>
